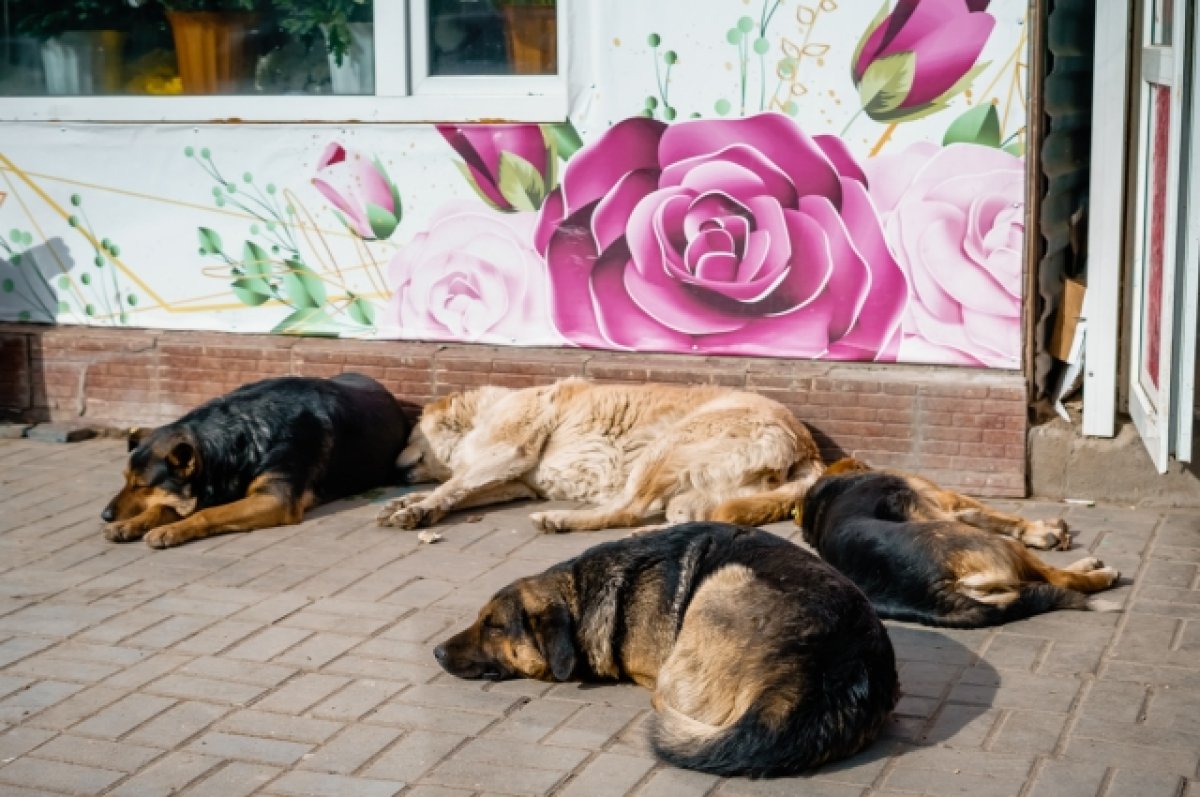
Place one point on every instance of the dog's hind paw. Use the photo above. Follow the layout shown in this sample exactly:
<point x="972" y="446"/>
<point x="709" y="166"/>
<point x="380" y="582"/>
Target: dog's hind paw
<point x="549" y="522"/>
<point x="394" y="506"/>
<point x="166" y="537"/>
<point x="1047" y="535"/>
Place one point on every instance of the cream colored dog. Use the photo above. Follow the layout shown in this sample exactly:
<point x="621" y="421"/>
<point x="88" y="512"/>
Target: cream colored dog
<point x="697" y="453"/>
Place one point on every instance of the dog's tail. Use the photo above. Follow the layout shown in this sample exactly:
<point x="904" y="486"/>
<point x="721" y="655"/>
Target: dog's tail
<point x="970" y="613"/>
<point x="830" y="722"/>
<point x="770" y="506"/>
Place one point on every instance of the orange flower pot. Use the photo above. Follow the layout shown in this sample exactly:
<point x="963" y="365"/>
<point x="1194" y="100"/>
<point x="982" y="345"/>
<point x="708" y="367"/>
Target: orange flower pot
<point x="212" y="49"/>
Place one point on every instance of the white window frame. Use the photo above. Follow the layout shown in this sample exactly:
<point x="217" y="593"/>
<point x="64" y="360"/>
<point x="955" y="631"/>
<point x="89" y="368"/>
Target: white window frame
<point x="404" y="91"/>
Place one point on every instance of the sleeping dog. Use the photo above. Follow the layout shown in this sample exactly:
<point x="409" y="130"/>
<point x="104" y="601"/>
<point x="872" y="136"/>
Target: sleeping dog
<point x="919" y="556"/>
<point x="259" y="456"/>
<point x="763" y="660"/>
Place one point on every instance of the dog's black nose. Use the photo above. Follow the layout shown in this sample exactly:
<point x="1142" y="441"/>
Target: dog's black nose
<point x="108" y="515"/>
<point x="439" y="653"/>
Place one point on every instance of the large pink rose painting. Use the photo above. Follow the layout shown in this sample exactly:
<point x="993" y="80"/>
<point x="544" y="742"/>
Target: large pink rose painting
<point x="955" y="216"/>
<point x="741" y="236"/>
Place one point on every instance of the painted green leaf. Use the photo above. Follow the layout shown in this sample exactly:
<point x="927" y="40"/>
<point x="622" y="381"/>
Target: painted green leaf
<point x="567" y="138"/>
<point x="1016" y="148"/>
<point x="302" y="287"/>
<point x="256" y="262"/>
<point x="909" y="114"/>
<point x="978" y="125"/>
<point x="871" y="27"/>
<point x="251" y="291"/>
<point x="520" y="182"/>
<point x="307" y="321"/>
<point x="382" y="222"/>
<point x="886" y="83"/>
<point x="470" y="178"/>
<point x="210" y="242"/>
<point x="362" y="311"/>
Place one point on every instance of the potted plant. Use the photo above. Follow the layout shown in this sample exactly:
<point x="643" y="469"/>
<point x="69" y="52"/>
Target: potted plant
<point x="347" y="29"/>
<point x="81" y="42"/>
<point x="531" y="32"/>
<point x="212" y="43"/>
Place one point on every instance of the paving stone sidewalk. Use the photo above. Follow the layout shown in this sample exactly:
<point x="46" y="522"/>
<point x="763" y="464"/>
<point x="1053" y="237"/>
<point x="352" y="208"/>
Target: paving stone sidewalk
<point x="298" y="662"/>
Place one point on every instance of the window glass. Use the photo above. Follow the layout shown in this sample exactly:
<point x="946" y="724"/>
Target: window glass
<point x="493" y="37"/>
<point x="186" y="47"/>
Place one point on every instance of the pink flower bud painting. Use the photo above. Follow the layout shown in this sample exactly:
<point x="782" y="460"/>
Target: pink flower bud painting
<point x="367" y="200"/>
<point x="912" y="61"/>
<point x="510" y="167"/>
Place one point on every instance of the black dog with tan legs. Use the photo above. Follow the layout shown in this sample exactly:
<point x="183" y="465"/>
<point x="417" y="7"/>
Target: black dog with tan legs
<point x="930" y="556"/>
<point x="259" y="456"/>
<point x="763" y="660"/>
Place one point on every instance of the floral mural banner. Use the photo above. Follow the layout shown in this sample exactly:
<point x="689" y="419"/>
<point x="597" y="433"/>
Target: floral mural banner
<point x="774" y="179"/>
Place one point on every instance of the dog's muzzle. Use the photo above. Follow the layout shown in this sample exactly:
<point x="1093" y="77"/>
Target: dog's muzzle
<point x="109" y="514"/>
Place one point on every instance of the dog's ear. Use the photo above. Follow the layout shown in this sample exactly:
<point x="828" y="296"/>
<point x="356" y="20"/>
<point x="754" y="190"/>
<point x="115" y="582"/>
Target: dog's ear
<point x="135" y="437"/>
<point x="182" y="458"/>
<point x="555" y="635"/>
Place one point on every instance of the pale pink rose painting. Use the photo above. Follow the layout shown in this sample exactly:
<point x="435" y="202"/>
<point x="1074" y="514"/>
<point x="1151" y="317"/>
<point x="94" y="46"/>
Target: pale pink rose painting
<point x="472" y="276"/>
<point x="723" y="236"/>
<point x="955" y="218"/>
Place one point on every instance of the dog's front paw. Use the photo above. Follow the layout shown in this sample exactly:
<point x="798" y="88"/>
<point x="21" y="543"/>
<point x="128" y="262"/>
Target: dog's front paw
<point x="166" y="536"/>
<point x="396" y="504"/>
<point x="407" y="517"/>
<point x="1047" y="535"/>
<point x="1110" y="574"/>
<point x="124" y="530"/>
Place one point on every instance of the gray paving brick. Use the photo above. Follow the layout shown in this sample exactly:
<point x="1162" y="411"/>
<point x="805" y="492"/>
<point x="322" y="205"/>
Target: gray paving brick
<point x="931" y="782"/>
<point x="138" y="675"/>
<point x="357" y="699"/>
<point x="1033" y="732"/>
<point x="268" y="643"/>
<point x="408" y="758"/>
<point x="19" y="740"/>
<point x="778" y="787"/>
<point x="217" y="637"/>
<point x="1068" y="779"/>
<point x="257" y="674"/>
<point x="607" y="775"/>
<point x="667" y="782"/>
<point x="30" y="772"/>
<point x="25" y="702"/>
<point x="20" y="647"/>
<point x="1101" y="751"/>
<point x="178" y="724"/>
<point x="431" y="718"/>
<point x="318" y="649"/>
<point x="592" y="727"/>
<point x="312" y="619"/>
<point x="78" y="706"/>
<point x="447" y="696"/>
<point x="192" y="688"/>
<point x="166" y="776"/>
<point x="249" y="748"/>
<point x="233" y="779"/>
<point x="122" y="757"/>
<point x="532" y="721"/>
<point x="252" y="722"/>
<point x="495" y="778"/>
<point x="350" y="749"/>
<point x="496" y="751"/>
<point x="320" y="784"/>
<point x="123" y="716"/>
<point x="1145" y="783"/>
<point x="302" y="692"/>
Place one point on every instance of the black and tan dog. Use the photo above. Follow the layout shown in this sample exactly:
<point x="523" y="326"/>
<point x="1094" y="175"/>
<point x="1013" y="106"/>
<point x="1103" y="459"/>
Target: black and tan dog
<point x="931" y="556"/>
<point x="763" y="660"/>
<point x="259" y="456"/>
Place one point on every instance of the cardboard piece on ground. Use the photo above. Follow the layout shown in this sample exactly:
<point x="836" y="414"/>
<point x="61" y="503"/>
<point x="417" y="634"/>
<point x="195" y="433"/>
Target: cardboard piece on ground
<point x="1068" y="317"/>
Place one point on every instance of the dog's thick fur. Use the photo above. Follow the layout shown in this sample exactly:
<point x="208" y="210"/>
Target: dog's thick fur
<point x="695" y="453"/>
<point x="763" y="660"/>
<point x="921" y="555"/>
<point x="257" y="457"/>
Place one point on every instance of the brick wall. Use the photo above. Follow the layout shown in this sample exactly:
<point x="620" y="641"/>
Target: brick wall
<point x="963" y="428"/>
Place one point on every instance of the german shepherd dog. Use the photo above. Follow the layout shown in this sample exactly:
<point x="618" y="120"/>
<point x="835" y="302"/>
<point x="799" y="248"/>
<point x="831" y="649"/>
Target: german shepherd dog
<point x="259" y="456"/>
<point x="696" y="453"/>
<point x="763" y="660"/>
<point x="930" y="556"/>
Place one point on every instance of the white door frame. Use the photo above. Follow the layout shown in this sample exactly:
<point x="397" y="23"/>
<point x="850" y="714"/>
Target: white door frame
<point x="1162" y="66"/>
